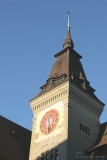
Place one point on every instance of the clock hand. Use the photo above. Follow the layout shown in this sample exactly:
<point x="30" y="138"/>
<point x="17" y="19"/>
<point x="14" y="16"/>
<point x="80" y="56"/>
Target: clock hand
<point x="49" y="124"/>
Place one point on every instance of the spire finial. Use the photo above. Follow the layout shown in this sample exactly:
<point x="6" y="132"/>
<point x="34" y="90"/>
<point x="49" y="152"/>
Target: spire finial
<point x="68" y="20"/>
<point x="68" y="41"/>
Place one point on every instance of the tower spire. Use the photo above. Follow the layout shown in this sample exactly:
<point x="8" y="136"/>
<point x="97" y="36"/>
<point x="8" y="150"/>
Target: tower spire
<point x="68" y="41"/>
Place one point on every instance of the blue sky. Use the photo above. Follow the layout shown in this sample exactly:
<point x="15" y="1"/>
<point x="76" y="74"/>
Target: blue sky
<point x="31" y="33"/>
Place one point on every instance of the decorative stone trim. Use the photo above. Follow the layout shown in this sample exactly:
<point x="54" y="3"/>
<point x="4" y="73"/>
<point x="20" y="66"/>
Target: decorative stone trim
<point x="50" y="100"/>
<point x="33" y="120"/>
<point x="85" y="102"/>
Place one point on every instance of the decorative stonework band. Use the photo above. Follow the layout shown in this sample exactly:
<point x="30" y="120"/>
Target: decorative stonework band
<point x="85" y="102"/>
<point x="50" y="100"/>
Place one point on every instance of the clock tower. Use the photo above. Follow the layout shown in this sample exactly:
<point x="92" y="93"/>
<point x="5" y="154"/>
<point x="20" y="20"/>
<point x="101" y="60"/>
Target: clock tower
<point x="66" y="111"/>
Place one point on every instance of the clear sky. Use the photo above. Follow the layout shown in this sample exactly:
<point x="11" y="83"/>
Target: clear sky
<point x="31" y="33"/>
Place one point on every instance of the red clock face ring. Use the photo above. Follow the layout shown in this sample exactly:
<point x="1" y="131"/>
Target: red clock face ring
<point x="49" y="121"/>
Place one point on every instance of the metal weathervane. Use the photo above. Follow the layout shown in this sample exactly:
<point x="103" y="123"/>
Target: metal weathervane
<point x="68" y="20"/>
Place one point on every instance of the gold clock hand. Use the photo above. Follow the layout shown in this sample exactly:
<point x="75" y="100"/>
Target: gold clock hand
<point x="49" y="124"/>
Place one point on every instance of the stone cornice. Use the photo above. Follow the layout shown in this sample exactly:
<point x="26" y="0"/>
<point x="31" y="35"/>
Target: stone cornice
<point x="60" y="93"/>
<point x="49" y="101"/>
<point x="85" y="101"/>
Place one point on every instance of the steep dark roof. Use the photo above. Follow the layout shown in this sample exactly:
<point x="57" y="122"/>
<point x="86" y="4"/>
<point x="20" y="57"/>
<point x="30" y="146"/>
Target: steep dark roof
<point x="101" y="139"/>
<point x="14" y="141"/>
<point x="67" y="62"/>
<point x="68" y="67"/>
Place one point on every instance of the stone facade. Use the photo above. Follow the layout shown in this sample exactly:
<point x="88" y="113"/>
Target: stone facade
<point x="66" y="111"/>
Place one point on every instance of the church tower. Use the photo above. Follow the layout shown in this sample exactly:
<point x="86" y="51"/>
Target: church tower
<point x="66" y="111"/>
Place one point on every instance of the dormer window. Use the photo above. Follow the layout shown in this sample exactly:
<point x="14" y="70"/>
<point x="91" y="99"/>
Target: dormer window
<point x="50" y="81"/>
<point x="54" y="81"/>
<point x="43" y="89"/>
<point x="63" y="77"/>
<point x="59" y="79"/>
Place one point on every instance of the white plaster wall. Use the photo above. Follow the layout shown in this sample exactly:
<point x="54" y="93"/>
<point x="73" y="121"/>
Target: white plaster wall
<point x="60" y="141"/>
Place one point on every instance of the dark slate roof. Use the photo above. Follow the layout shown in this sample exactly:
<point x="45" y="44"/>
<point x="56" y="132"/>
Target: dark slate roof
<point x="14" y="141"/>
<point x="68" y="67"/>
<point x="67" y="62"/>
<point x="101" y="139"/>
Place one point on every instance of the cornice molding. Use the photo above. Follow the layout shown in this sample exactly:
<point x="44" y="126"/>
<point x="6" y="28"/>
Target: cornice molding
<point x="85" y="102"/>
<point x="51" y="100"/>
<point x="74" y="93"/>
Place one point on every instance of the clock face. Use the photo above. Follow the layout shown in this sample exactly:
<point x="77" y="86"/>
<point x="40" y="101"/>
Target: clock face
<point x="49" y="121"/>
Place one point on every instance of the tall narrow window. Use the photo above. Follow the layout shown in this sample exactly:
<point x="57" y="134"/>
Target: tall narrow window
<point x="39" y="158"/>
<point x="88" y="131"/>
<point x="47" y="155"/>
<point x="80" y="127"/>
<point x="56" y="154"/>
<point x="84" y="129"/>
<point x="42" y="156"/>
<point x="52" y="154"/>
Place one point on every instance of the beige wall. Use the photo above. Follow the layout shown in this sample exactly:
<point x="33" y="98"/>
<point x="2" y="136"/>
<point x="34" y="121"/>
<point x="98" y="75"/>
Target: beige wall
<point x="59" y="94"/>
<point x="82" y="109"/>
